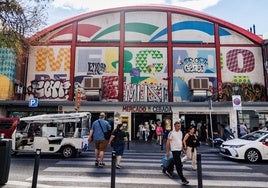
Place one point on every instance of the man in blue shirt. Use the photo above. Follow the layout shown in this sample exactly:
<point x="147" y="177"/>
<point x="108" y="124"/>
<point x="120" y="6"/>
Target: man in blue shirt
<point x="97" y="134"/>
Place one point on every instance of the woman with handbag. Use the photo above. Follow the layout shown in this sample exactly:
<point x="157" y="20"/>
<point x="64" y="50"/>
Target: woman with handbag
<point x="190" y="143"/>
<point x="117" y="141"/>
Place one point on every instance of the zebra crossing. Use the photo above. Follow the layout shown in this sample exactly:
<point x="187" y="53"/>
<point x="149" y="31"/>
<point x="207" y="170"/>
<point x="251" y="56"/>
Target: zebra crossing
<point x="143" y="169"/>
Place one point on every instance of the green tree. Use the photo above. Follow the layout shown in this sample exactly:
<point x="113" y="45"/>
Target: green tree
<point x="20" y="19"/>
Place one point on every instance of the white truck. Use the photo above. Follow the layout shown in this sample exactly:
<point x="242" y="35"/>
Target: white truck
<point x="52" y="133"/>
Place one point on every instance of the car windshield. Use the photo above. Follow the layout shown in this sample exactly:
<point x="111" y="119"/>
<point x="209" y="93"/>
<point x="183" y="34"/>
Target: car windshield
<point x="254" y="135"/>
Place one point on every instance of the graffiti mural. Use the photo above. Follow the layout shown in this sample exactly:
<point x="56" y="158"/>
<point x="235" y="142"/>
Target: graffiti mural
<point x="247" y="91"/>
<point x="197" y="65"/>
<point x="7" y="72"/>
<point x="96" y="68"/>
<point x="48" y="73"/>
<point x="49" y="89"/>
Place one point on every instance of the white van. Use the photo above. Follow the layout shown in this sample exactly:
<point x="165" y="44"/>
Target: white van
<point x="52" y="133"/>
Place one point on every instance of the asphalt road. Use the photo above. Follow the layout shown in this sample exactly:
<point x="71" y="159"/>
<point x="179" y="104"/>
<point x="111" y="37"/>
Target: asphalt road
<point x="141" y="168"/>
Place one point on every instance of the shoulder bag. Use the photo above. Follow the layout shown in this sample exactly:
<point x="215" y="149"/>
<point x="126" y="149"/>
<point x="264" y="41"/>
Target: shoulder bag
<point x="106" y="134"/>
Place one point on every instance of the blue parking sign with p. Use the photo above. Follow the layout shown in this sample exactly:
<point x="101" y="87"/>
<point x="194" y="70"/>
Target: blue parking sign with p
<point x="33" y="102"/>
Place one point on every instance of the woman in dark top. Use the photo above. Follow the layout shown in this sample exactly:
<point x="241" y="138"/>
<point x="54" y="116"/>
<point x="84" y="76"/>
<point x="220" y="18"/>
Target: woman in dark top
<point x="117" y="141"/>
<point x="190" y="142"/>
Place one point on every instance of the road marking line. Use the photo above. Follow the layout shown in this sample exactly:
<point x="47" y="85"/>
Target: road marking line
<point x="157" y="160"/>
<point x="151" y="181"/>
<point x="28" y="184"/>
<point x="138" y="164"/>
<point x="149" y="172"/>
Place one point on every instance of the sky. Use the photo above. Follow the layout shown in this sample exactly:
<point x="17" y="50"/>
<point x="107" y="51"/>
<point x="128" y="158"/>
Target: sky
<point x="243" y="13"/>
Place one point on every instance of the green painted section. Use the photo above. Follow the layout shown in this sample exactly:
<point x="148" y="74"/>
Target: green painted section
<point x="136" y="80"/>
<point x="143" y="28"/>
<point x="111" y="29"/>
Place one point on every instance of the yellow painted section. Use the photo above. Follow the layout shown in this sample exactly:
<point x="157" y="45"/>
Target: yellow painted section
<point x="47" y="55"/>
<point x="111" y="55"/>
<point x="150" y="80"/>
<point x="6" y="88"/>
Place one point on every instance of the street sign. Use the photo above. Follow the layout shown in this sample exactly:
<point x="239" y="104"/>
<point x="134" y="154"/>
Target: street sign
<point x="33" y="102"/>
<point x="237" y="104"/>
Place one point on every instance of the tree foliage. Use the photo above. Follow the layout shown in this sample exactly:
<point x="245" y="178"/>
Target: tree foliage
<point x="20" y="19"/>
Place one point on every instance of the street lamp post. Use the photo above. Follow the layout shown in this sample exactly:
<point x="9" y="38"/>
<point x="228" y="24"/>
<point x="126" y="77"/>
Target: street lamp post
<point x="210" y="120"/>
<point x="235" y="88"/>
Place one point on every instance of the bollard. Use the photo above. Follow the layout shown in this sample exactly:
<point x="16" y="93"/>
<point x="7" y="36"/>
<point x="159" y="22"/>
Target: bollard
<point x="162" y="143"/>
<point x="5" y="158"/>
<point x="113" y="170"/>
<point x="199" y="171"/>
<point x="128" y="141"/>
<point x="36" y="167"/>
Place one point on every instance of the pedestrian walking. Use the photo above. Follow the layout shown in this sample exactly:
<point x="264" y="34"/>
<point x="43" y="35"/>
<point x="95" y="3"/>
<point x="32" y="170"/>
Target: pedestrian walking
<point x="117" y="141"/>
<point x="174" y="144"/>
<point x="97" y="134"/>
<point x="190" y="143"/>
<point x="146" y="131"/>
<point x="159" y="133"/>
<point x="152" y="130"/>
<point x="243" y="130"/>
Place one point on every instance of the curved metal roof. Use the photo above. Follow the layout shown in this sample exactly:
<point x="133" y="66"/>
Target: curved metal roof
<point x="163" y="8"/>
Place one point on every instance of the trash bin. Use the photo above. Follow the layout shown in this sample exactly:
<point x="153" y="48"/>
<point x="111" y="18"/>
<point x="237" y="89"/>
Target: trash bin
<point x="5" y="155"/>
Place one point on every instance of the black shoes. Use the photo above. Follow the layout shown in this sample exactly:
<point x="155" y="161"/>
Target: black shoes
<point x="96" y="163"/>
<point x="169" y="173"/>
<point x="99" y="164"/>
<point x="185" y="182"/>
<point x="118" y="166"/>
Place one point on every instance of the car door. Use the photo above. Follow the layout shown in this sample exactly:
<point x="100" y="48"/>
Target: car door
<point x="265" y="147"/>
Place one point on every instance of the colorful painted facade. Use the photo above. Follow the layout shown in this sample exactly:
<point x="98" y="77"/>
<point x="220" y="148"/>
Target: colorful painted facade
<point x="146" y="54"/>
<point x="152" y="56"/>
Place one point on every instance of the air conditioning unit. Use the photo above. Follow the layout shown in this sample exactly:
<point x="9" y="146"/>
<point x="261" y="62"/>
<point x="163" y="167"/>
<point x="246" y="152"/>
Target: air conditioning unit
<point x="92" y="83"/>
<point x="198" y="84"/>
<point x="18" y="90"/>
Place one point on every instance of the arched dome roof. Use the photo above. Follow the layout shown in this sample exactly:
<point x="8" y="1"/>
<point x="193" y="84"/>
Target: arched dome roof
<point x="162" y="8"/>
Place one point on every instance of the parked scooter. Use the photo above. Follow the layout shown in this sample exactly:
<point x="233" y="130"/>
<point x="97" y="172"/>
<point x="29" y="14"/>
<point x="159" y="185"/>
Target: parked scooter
<point x="218" y="140"/>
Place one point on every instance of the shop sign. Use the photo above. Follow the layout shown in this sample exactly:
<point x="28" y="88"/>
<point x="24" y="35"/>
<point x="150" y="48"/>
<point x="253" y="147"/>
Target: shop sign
<point x="154" y="109"/>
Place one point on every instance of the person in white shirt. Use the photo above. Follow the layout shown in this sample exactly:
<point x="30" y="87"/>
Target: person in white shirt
<point x="174" y="144"/>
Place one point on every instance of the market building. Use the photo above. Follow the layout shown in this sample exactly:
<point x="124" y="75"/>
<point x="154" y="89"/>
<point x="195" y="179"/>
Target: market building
<point x="142" y="63"/>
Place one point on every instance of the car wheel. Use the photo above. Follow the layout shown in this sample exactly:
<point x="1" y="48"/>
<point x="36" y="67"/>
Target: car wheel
<point x="253" y="155"/>
<point x="68" y="151"/>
